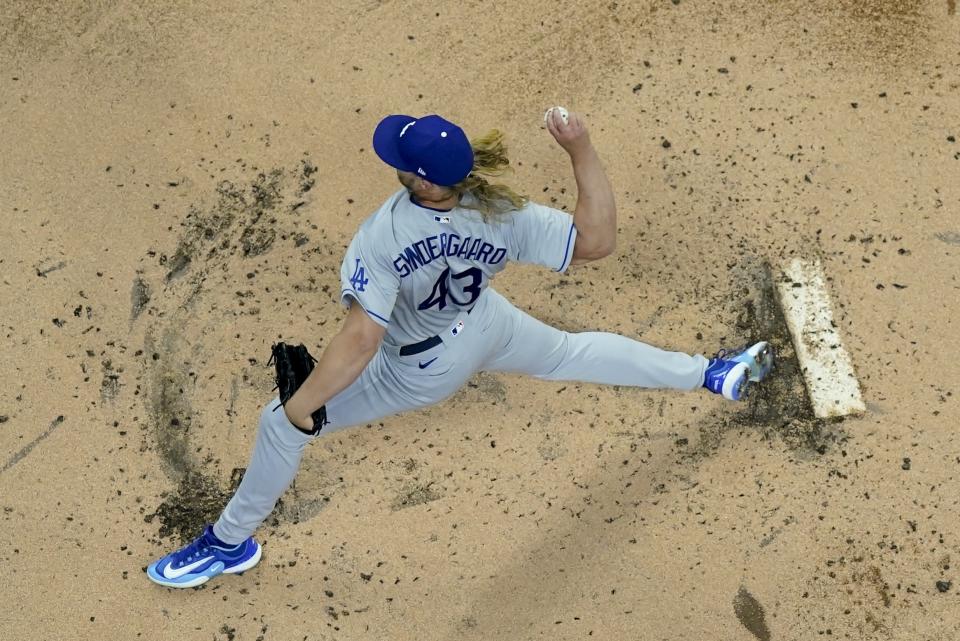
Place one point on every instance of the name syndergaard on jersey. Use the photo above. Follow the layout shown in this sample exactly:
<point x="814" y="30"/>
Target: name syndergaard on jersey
<point x="427" y="250"/>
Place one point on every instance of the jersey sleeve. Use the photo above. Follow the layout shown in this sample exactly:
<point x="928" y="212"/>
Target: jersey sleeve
<point x="365" y="276"/>
<point x="543" y="236"/>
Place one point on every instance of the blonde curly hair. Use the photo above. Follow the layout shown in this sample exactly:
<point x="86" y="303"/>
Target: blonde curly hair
<point x="489" y="160"/>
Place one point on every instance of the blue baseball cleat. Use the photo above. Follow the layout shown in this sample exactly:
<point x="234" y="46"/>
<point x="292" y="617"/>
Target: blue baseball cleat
<point x="204" y="558"/>
<point x="730" y="373"/>
<point x="758" y="356"/>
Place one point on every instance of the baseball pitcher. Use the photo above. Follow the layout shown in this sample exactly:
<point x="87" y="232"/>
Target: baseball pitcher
<point x="423" y="319"/>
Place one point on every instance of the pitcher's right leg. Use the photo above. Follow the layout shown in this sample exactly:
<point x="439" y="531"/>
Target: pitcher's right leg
<point x="529" y="346"/>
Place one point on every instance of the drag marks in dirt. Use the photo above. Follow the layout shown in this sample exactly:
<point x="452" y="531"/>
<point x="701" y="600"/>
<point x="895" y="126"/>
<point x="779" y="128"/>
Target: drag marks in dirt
<point x="26" y="449"/>
<point x="169" y="402"/>
<point x="191" y="293"/>
<point x="949" y="237"/>
<point x="44" y="268"/>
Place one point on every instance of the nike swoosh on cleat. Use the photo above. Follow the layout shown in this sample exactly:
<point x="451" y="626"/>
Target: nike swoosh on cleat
<point x="423" y="365"/>
<point x="172" y="573"/>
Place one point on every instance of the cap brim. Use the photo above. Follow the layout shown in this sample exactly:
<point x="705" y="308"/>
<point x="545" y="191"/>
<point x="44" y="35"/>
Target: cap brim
<point x="386" y="141"/>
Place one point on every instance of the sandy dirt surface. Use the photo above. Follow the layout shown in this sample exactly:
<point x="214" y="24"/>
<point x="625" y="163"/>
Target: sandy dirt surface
<point x="178" y="184"/>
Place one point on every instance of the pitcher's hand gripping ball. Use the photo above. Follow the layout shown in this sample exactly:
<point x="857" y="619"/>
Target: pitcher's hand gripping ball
<point x="293" y="364"/>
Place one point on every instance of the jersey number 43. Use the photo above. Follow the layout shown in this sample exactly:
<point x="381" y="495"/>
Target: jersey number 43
<point x="441" y="293"/>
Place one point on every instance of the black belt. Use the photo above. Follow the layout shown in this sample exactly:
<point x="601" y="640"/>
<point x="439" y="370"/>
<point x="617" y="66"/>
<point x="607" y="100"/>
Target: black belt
<point x="424" y="345"/>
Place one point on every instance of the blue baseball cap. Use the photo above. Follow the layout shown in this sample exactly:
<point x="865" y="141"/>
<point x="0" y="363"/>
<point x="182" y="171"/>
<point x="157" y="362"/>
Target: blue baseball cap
<point x="431" y="147"/>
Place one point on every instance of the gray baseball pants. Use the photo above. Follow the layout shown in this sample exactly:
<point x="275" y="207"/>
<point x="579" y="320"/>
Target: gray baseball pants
<point x="495" y="337"/>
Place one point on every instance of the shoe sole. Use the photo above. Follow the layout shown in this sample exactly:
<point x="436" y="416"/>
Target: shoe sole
<point x="200" y="578"/>
<point x="743" y="389"/>
<point x="735" y="389"/>
<point x="759" y="358"/>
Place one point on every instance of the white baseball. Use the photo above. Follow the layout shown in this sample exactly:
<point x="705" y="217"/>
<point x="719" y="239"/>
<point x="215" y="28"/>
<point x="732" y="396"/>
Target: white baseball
<point x="564" y="114"/>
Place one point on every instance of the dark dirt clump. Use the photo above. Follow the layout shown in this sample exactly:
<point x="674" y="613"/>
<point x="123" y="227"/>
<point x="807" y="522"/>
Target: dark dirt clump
<point x="139" y="297"/>
<point x="210" y="231"/>
<point x="110" y="385"/>
<point x="416" y="493"/>
<point x="199" y="499"/>
<point x="307" y="170"/>
<point x="751" y="615"/>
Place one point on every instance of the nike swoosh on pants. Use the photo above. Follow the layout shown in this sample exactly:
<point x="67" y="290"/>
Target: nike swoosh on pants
<point x="423" y="365"/>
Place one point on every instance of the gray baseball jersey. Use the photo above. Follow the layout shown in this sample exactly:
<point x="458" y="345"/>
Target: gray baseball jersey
<point x="413" y="269"/>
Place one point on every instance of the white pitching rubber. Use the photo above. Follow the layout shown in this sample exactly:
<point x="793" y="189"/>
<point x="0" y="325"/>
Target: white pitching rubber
<point x="831" y="382"/>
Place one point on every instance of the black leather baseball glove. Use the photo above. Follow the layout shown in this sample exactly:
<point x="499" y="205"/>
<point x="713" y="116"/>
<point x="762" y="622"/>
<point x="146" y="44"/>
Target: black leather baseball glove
<point x="293" y="363"/>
